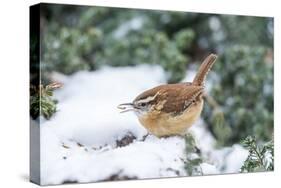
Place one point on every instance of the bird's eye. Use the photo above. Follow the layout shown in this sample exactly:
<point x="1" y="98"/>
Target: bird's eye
<point x="142" y="104"/>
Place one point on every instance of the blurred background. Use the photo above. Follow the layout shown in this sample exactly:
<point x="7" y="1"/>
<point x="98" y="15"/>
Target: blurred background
<point x="240" y="99"/>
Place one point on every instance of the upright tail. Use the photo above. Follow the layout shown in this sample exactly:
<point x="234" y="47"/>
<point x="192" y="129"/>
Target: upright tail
<point x="205" y="67"/>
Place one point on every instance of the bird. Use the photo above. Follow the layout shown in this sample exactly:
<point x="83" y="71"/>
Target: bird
<point x="171" y="109"/>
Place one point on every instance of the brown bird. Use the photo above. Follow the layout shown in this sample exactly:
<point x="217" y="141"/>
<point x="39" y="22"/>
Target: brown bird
<point x="171" y="109"/>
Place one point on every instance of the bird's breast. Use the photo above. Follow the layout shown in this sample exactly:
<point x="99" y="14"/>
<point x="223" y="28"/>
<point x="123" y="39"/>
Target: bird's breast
<point x="160" y="123"/>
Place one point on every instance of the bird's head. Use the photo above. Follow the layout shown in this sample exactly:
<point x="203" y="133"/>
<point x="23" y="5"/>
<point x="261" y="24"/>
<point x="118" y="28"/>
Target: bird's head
<point x="142" y="104"/>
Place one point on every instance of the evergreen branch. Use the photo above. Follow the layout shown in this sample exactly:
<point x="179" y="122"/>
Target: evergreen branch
<point x="258" y="158"/>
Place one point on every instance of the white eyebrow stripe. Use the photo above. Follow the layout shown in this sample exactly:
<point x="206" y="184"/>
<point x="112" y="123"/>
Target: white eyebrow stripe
<point x="148" y="99"/>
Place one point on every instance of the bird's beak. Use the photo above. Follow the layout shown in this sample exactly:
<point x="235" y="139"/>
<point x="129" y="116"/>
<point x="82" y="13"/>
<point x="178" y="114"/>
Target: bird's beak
<point x="126" y="107"/>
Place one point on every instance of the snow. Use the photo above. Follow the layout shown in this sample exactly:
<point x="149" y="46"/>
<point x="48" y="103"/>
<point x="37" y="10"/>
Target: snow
<point x="209" y="169"/>
<point x="81" y="142"/>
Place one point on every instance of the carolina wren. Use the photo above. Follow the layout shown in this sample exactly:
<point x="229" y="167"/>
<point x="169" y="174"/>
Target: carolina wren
<point x="171" y="109"/>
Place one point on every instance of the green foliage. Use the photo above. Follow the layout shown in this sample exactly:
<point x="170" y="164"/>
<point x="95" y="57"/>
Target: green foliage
<point x="67" y="50"/>
<point x="234" y="26"/>
<point x="193" y="157"/>
<point x="244" y="91"/>
<point x="41" y="101"/>
<point x="79" y="37"/>
<point x="260" y="158"/>
<point x="90" y="43"/>
<point x="219" y="127"/>
<point x="85" y="38"/>
<point x="149" y="47"/>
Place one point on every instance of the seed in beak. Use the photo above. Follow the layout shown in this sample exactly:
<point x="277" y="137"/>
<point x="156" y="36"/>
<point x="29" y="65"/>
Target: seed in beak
<point x="125" y="107"/>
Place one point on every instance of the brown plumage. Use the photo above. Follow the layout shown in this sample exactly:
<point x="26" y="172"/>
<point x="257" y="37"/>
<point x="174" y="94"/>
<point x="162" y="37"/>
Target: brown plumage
<point x="171" y="109"/>
<point x="177" y="96"/>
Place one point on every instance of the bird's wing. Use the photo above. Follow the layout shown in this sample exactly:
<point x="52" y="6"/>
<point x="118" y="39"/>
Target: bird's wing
<point x="180" y="98"/>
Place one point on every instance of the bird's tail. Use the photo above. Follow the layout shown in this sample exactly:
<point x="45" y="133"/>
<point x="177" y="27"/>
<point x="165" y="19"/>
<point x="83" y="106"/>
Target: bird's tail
<point x="205" y="67"/>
